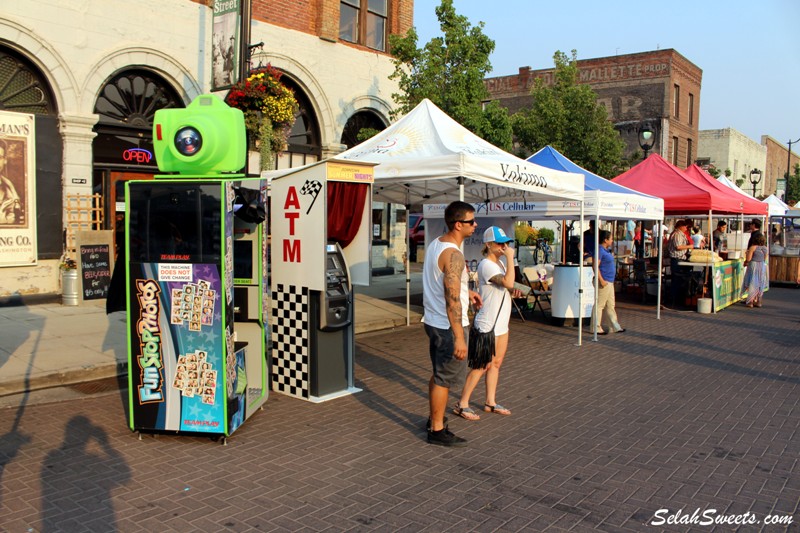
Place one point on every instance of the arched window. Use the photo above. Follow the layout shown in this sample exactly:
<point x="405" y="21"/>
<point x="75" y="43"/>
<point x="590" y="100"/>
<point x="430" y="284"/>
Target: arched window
<point x="130" y="100"/>
<point x="361" y="120"/>
<point x="304" y="145"/>
<point x="127" y="105"/>
<point x="22" y="87"/>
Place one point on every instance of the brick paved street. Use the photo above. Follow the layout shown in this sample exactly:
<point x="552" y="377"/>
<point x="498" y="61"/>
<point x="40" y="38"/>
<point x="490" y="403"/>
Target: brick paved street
<point x="692" y="411"/>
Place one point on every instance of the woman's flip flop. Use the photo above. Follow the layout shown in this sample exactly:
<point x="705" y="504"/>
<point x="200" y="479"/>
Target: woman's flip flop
<point x="466" y="413"/>
<point x="497" y="409"/>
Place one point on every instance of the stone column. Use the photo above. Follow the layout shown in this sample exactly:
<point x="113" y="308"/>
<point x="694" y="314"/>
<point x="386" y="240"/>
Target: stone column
<point x="332" y="149"/>
<point x="76" y="129"/>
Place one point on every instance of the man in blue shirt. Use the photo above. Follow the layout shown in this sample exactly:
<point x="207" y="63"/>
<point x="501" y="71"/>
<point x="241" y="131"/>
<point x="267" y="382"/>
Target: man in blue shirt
<point x="606" y="272"/>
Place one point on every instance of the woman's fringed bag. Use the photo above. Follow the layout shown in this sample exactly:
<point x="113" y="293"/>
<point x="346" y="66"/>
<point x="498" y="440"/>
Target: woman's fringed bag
<point x="481" y="345"/>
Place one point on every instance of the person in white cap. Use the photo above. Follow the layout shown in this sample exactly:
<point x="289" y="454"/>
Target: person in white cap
<point x="494" y="280"/>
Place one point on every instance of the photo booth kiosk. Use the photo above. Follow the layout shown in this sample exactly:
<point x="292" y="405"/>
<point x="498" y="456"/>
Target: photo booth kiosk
<point x="197" y="281"/>
<point x="320" y="220"/>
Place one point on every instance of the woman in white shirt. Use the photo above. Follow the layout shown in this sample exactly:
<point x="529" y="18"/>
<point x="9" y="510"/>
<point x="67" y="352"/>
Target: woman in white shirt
<point x="494" y="279"/>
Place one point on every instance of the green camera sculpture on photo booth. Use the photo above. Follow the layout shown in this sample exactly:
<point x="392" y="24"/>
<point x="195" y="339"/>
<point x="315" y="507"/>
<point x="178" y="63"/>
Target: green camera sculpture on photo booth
<point x="197" y="278"/>
<point x="206" y="138"/>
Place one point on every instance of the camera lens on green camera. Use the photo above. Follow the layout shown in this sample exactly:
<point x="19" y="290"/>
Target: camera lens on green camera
<point x="188" y="141"/>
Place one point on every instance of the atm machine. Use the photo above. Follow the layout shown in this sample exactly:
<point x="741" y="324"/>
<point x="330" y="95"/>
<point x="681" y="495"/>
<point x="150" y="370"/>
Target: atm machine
<point x="320" y="224"/>
<point x="331" y="318"/>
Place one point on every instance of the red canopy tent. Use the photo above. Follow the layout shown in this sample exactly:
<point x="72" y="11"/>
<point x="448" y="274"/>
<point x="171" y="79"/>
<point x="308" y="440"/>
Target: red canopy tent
<point x="750" y="206"/>
<point x="683" y="194"/>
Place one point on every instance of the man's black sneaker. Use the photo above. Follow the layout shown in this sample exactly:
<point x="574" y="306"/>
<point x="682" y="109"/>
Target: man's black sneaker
<point x="445" y="437"/>
<point x="428" y="424"/>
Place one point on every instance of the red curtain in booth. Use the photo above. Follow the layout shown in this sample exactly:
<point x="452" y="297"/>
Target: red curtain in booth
<point x="346" y="203"/>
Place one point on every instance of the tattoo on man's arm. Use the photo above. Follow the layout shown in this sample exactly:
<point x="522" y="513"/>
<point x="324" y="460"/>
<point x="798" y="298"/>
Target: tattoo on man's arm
<point x="452" y="283"/>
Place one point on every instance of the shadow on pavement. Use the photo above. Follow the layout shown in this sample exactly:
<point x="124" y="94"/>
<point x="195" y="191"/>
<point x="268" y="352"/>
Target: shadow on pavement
<point x="84" y="469"/>
<point x="24" y="325"/>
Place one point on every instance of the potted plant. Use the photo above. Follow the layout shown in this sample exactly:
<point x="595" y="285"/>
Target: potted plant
<point x="69" y="281"/>
<point x="269" y="109"/>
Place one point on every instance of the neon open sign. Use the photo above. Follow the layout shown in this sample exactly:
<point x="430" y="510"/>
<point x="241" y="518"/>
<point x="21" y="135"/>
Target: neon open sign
<point x="138" y="155"/>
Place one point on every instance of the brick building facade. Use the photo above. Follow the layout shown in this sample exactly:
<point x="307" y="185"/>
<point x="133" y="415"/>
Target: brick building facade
<point x="778" y="159"/>
<point x="92" y="74"/>
<point x="660" y="87"/>
<point x="729" y="149"/>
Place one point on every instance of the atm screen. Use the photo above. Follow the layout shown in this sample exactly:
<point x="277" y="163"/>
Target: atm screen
<point x="332" y="264"/>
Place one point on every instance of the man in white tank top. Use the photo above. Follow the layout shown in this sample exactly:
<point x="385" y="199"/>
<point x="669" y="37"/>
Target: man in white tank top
<point x="446" y="297"/>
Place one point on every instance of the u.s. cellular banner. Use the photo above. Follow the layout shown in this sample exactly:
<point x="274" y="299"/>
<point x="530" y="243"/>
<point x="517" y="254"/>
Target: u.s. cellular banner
<point x="17" y="190"/>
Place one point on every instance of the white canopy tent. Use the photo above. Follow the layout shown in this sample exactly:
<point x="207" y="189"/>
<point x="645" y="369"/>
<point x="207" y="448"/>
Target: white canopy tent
<point x="427" y="157"/>
<point x="728" y="183"/>
<point x="777" y="206"/>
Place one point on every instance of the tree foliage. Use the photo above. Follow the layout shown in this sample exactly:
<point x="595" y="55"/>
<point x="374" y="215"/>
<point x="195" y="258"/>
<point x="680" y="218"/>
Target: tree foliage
<point x="449" y="70"/>
<point x="566" y="116"/>
<point x="793" y="186"/>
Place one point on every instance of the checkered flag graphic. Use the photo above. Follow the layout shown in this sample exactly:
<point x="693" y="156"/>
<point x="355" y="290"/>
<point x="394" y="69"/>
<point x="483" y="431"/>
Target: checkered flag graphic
<point x="312" y="188"/>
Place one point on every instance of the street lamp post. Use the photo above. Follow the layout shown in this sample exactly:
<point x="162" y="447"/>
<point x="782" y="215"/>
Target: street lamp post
<point x="788" y="170"/>
<point x="755" y="179"/>
<point x="647" y="138"/>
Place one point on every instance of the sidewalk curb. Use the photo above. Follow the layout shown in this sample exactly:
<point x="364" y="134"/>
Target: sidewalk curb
<point x="64" y="378"/>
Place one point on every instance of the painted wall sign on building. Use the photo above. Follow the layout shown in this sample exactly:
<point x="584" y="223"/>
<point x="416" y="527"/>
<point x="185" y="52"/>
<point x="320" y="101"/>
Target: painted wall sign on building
<point x="17" y="190"/>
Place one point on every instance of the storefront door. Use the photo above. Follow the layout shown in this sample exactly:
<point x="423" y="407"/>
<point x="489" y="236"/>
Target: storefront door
<point x="116" y="203"/>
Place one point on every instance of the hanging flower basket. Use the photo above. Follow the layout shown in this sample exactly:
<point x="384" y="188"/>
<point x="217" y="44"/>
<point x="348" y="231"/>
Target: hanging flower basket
<point x="269" y="109"/>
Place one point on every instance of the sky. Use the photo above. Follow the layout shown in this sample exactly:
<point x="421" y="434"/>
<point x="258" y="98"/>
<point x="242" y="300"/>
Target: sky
<point x="749" y="51"/>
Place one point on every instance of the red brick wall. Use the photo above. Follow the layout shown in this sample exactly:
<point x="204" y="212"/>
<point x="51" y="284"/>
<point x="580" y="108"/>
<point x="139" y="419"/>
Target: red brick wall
<point x="776" y="160"/>
<point x="632" y="87"/>
<point x="321" y="17"/>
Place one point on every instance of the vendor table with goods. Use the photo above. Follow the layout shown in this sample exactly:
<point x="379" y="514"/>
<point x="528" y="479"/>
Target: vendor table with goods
<point x="720" y="280"/>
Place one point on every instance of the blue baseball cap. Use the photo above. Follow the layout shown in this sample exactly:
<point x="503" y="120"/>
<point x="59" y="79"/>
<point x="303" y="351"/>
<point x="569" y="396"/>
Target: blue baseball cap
<point x="495" y="234"/>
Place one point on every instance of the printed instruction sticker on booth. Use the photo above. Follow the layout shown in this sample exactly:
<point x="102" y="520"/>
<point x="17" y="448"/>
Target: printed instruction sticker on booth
<point x="174" y="272"/>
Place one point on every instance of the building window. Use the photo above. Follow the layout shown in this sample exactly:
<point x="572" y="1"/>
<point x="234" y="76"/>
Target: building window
<point x="380" y="223"/>
<point x="364" y="22"/>
<point x="303" y="145"/>
<point x="22" y="88"/>
<point x="675" y="151"/>
<point x="688" y="152"/>
<point x="691" y="109"/>
<point x="677" y="110"/>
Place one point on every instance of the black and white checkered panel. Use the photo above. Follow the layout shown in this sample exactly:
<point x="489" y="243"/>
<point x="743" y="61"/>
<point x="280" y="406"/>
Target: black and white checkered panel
<point x="290" y="343"/>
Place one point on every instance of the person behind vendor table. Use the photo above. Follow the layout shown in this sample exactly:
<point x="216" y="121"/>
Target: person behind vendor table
<point x="678" y="248"/>
<point x="687" y="229"/>
<point x="630" y="228"/>
<point x="755" y="232"/>
<point x="756" y="277"/>
<point x="698" y="240"/>
<point x="777" y="234"/>
<point x="719" y="235"/>
<point x="606" y="272"/>
<point x="588" y="241"/>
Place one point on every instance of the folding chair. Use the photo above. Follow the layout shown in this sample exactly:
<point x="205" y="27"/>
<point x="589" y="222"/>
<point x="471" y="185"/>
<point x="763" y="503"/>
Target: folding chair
<point x="525" y="290"/>
<point x="539" y="291"/>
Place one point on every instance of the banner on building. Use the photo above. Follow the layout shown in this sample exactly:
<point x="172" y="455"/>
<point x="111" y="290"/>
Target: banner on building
<point x="17" y="190"/>
<point x="225" y="45"/>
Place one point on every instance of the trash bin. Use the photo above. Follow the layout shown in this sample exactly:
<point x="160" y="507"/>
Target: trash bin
<point x="704" y="305"/>
<point x="69" y="287"/>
